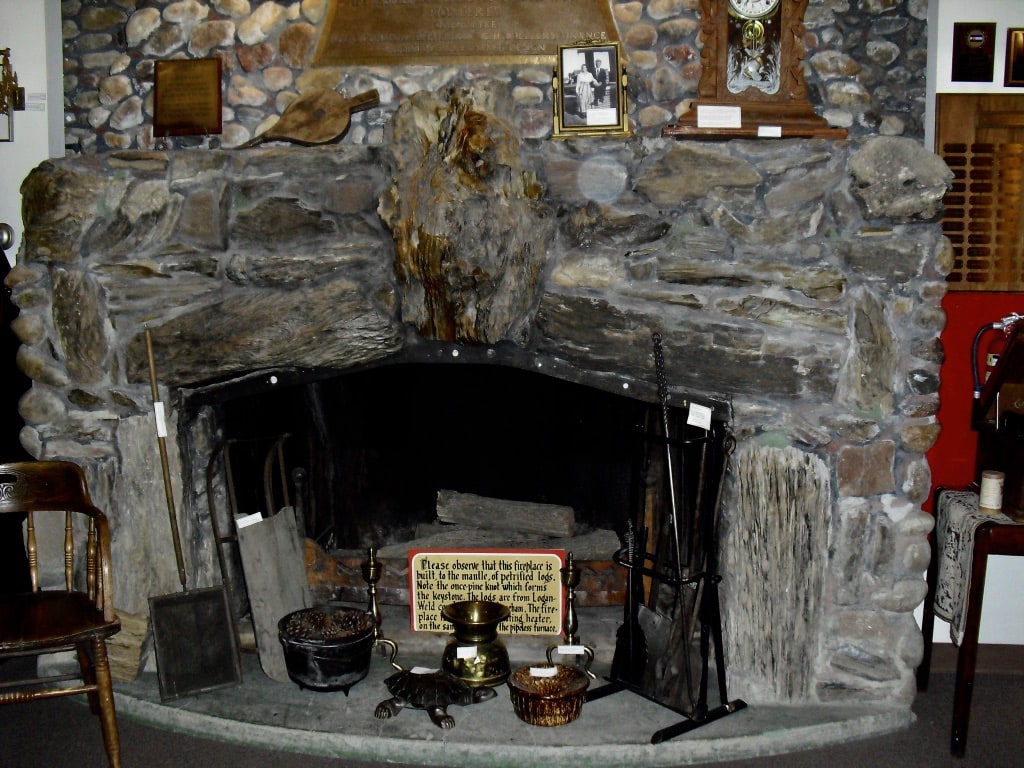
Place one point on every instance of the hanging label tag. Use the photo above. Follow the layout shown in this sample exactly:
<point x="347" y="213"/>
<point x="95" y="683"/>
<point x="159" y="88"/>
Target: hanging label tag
<point x="571" y="650"/>
<point x="543" y="671"/>
<point x="466" y="652"/>
<point x="161" y="425"/>
<point x="699" y="416"/>
<point x="422" y="671"/>
<point x="246" y="520"/>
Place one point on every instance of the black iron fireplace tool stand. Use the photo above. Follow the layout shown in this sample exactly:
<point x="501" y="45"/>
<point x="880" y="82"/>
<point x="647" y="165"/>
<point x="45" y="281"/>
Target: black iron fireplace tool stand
<point x="624" y="677"/>
<point x="685" y="466"/>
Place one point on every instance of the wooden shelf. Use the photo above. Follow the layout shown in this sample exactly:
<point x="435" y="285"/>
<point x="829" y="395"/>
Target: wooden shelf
<point x="750" y="132"/>
<point x="791" y="121"/>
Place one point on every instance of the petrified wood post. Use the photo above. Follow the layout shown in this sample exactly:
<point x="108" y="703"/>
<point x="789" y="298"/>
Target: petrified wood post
<point x="470" y="233"/>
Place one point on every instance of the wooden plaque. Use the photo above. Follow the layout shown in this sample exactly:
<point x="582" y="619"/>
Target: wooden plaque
<point x="974" y="52"/>
<point x="527" y="581"/>
<point x="187" y="97"/>
<point x="388" y="33"/>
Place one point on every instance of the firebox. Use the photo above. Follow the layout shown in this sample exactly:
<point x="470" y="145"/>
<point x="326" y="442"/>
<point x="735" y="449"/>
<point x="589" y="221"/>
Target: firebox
<point x="366" y="452"/>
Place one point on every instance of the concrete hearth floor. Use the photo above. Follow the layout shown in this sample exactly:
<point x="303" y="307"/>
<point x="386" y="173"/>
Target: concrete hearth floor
<point x="611" y="731"/>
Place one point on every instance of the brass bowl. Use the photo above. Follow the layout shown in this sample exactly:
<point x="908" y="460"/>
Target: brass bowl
<point x="548" y="701"/>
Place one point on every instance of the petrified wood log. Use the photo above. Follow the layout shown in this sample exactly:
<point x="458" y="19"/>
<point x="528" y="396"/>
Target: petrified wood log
<point x="505" y="515"/>
<point x="470" y="233"/>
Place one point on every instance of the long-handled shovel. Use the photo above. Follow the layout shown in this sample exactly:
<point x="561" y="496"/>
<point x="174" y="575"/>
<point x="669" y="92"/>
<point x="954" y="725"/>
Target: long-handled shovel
<point x="193" y="631"/>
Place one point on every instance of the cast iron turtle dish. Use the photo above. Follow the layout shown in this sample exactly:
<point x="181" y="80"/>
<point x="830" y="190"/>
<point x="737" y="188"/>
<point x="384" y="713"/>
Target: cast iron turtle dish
<point x="432" y="691"/>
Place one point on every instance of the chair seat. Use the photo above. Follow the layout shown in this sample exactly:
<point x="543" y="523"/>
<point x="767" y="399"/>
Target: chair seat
<point x="33" y="620"/>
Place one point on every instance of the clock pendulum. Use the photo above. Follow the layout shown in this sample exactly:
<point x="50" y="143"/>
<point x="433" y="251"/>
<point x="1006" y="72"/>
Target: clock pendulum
<point x="754" y="46"/>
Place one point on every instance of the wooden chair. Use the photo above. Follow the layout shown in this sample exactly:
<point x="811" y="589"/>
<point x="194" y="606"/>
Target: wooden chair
<point x="990" y="538"/>
<point x="79" y="617"/>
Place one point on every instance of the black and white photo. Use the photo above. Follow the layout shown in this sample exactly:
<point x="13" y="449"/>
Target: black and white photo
<point x="590" y="90"/>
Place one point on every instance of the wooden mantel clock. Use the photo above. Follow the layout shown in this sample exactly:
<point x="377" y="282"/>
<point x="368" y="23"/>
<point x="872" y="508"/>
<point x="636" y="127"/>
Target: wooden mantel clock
<point x="752" y="83"/>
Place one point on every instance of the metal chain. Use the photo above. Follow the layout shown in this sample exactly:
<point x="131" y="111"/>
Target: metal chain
<point x="659" y="369"/>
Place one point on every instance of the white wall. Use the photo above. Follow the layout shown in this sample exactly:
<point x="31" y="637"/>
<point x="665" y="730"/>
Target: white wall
<point x="1004" y="13"/>
<point x="942" y="15"/>
<point x="32" y="30"/>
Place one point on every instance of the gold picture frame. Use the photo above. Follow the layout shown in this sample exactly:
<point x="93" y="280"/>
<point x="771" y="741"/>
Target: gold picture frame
<point x="9" y="94"/>
<point x="589" y="91"/>
<point x="1014" y="77"/>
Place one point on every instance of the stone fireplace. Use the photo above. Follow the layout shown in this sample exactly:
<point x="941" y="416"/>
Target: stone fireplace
<point x="796" y="285"/>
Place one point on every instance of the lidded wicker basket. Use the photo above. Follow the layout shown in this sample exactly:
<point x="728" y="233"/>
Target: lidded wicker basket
<point x="547" y="694"/>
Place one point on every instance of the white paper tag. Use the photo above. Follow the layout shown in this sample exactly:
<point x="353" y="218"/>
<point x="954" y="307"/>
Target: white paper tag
<point x="422" y="671"/>
<point x="247" y="520"/>
<point x="543" y="671"/>
<point x="699" y="416"/>
<point x="571" y="650"/>
<point x="769" y="131"/>
<point x="466" y="652"/>
<point x="161" y="424"/>
<point x="719" y="117"/>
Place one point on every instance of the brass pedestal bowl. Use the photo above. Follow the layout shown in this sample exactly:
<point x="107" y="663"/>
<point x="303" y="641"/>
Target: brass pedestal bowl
<point x="475" y="653"/>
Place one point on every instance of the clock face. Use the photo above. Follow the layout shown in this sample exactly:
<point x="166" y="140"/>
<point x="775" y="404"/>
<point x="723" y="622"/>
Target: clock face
<point x="753" y="9"/>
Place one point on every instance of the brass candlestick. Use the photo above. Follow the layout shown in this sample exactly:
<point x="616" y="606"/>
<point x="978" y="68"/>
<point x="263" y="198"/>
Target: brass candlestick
<point x="372" y="571"/>
<point x="570" y="620"/>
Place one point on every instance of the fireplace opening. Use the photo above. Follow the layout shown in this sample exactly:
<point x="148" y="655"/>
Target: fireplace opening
<point x="374" y="447"/>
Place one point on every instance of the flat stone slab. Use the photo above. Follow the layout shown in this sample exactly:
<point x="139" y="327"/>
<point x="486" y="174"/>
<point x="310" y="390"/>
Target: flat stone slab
<point x="613" y="731"/>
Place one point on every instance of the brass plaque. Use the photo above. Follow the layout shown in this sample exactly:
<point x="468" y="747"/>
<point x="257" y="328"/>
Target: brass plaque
<point x="187" y="97"/>
<point x="391" y="32"/>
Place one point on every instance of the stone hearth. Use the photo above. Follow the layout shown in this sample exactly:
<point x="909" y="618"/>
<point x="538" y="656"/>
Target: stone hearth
<point x="796" y="284"/>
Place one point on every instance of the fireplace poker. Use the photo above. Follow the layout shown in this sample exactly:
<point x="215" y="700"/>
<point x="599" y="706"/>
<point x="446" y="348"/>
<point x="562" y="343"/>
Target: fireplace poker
<point x="659" y="368"/>
<point x="161" y="436"/>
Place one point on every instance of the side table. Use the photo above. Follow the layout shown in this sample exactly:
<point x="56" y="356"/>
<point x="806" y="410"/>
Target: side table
<point x="962" y="541"/>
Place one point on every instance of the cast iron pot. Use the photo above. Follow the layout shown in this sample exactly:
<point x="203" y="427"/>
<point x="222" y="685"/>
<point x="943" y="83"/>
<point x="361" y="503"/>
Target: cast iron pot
<point x="327" y="648"/>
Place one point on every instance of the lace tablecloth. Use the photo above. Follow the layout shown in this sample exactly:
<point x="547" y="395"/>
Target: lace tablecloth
<point x="956" y="520"/>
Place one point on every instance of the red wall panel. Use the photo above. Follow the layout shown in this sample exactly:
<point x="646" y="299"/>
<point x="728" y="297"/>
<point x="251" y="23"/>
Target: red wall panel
<point x="952" y="457"/>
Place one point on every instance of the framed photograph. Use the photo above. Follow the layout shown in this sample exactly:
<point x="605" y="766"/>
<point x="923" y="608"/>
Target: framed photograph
<point x="1014" y="58"/>
<point x="589" y="91"/>
<point x="974" y="52"/>
<point x="187" y="97"/>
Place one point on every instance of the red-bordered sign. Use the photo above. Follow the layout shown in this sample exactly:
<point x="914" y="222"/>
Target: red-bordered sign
<point x="527" y="581"/>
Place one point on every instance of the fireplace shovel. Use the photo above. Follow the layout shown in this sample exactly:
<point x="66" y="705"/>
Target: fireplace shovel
<point x="193" y="631"/>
